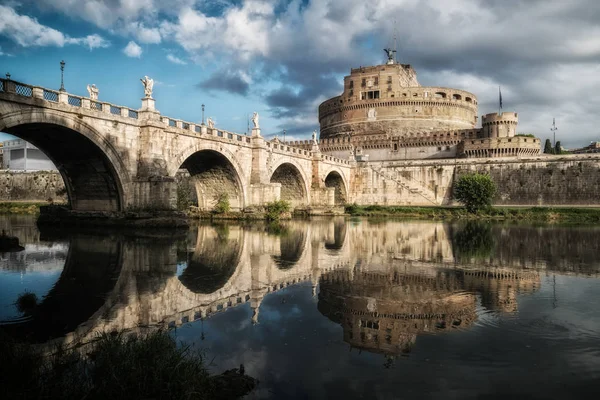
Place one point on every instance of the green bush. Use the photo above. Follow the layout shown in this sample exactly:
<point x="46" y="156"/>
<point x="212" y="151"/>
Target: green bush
<point x="184" y="197"/>
<point x="475" y="191"/>
<point x="223" y="206"/>
<point x="274" y="210"/>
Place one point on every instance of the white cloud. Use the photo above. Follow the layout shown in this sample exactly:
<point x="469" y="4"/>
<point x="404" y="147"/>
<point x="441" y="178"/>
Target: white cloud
<point x="175" y="59"/>
<point x="144" y="34"/>
<point x="132" y="50"/>
<point x="91" y="41"/>
<point x="28" y="32"/>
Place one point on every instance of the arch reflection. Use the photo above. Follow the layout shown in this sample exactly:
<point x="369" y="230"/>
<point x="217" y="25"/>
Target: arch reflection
<point x="214" y="259"/>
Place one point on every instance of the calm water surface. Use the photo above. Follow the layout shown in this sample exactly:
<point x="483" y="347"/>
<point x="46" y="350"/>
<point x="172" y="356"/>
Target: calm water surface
<point x="332" y="308"/>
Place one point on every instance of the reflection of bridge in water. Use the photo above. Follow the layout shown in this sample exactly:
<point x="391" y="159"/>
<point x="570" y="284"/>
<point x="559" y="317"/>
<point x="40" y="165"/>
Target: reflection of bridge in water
<point x="384" y="283"/>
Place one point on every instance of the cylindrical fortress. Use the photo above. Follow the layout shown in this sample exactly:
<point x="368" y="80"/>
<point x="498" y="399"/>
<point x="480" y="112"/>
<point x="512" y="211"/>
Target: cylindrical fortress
<point x="500" y="125"/>
<point x="388" y="99"/>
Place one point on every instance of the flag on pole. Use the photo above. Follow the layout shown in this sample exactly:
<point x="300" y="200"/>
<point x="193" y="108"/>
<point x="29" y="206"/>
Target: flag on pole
<point x="500" y="96"/>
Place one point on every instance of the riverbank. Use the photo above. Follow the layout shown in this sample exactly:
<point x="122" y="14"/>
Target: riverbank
<point x="59" y="215"/>
<point x="132" y="367"/>
<point x="535" y="214"/>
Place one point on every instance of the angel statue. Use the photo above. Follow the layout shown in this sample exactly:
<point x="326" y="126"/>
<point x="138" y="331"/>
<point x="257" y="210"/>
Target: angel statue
<point x="255" y="120"/>
<point x="148" y="85"/>
<point x="210" y="123"/>
<point x="314" y="136"/>
<point x="93" y="91"/>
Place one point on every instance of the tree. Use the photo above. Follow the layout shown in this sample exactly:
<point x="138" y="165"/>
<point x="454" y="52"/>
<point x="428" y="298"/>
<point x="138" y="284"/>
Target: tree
<point x="558" y="148"/>
<point x="475" y="191"/>
<point x="548" y="147"/>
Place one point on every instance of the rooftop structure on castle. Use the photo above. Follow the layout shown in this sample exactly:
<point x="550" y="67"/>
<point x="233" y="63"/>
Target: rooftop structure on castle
<point x="385" y="114"/>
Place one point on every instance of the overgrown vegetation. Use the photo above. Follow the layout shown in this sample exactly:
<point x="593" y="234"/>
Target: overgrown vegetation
<point x="275" y="210"/>
<point x="119" y="367"/>
<point x="222" y="206"/>
<point x="538" y="214"/>
<point x="184" y="196"/>
<point x="527" y="135"/>
<point x="475" y="191"/>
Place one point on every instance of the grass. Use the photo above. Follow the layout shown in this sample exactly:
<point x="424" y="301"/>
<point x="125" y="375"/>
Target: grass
<point x="118" y="367"/>
<point x="538" y="214"/>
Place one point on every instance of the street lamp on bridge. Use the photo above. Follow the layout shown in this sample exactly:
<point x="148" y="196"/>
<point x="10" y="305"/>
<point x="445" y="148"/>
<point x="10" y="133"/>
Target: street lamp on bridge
<point x="62" y="75"/>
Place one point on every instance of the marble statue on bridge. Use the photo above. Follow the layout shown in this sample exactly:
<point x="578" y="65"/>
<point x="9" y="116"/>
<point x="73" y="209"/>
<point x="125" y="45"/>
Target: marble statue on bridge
<point x="93" y="91"/>
<point x="210" y="123"/>
<point x="148" y="85"/>
<point x="255" y="120"/>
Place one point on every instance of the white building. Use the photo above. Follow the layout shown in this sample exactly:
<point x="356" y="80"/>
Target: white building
<point x="20" y="155"/>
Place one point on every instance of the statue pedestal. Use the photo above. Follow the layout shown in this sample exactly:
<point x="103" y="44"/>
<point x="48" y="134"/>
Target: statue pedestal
<point x="256" y="132"/>
<point x="148" y="104"/>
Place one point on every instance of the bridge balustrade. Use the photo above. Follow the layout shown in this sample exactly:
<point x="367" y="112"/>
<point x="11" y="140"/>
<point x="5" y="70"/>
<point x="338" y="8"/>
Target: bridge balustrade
<point x="50" y="95"/>
<point x="74" y="101"/>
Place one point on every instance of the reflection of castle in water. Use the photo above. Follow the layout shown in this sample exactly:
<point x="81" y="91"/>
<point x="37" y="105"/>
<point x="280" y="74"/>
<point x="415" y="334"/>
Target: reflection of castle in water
<point x="385" y="283"/>
<point x="384" y="309"/>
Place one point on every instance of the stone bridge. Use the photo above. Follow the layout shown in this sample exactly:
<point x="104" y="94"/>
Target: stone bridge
<point x="115" y="158"/>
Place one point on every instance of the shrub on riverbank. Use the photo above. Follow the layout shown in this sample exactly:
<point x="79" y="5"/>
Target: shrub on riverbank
<point x="475" y="191"/>
<point x="146" y="367"/>
<point x="277" y="210"/>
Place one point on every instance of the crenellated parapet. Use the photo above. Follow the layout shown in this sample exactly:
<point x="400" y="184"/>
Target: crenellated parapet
<point x="500" y="125"/>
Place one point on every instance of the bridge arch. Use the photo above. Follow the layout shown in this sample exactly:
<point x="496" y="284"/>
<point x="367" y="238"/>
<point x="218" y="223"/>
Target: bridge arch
<point x="214" y="171"/>
<point x="294" y="184"/>
<point x="93" y="171"/>
<point x="335" y="178"/>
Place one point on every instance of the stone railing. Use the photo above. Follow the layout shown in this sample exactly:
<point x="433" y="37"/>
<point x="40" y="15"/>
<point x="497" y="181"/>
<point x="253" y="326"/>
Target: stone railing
<point x="286" y="148"/>
<point x="200" y="129"/>
<point x="300" y="147"/>
<point x="58" y="97"/>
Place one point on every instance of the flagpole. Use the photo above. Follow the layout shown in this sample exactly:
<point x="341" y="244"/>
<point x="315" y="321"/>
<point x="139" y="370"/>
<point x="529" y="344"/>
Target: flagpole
<point x="499" y="100"/>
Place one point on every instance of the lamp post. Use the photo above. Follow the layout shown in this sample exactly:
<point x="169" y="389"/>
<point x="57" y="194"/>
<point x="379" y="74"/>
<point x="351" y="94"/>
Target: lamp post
<point x="62" y="76"/>
<point x="202" y="114"/>
<point x="284" y="136"/>
<point x="8" y="76"/>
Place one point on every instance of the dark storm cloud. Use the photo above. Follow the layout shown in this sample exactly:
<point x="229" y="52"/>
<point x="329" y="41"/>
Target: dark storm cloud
<point x="228" y="81"/>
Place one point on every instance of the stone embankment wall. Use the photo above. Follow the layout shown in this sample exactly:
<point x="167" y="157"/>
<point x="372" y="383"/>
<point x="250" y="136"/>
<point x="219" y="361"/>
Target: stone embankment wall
<point x="32" y="186"/>
<point x="540" y="180"/>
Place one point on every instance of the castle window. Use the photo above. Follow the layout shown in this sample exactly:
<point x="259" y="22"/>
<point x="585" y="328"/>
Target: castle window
<point x="447" y="147"/>
<point x="389" y="89"/>
<point x="376" y="80"/>
<point x="510" y="140"/>
<point x="425" y="94"/>
<point x="440" y="95"/>
<point x="351" y="84"/>
<point x="468" y="99"/>
<point x="374" y="94"/>
<point x="457" y="97"/>
<point x="364" y="82"/>
<point x="389" y="80"/>
<point x="403" y="94"/>
<point x="439" y="149"/>
<point x="351" y="92"/>
<point x="415" y="94"/>
<point x="395" y="146"/>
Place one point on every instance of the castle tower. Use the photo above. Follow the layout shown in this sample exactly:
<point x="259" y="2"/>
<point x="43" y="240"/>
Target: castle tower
<point x="499" y="125"/>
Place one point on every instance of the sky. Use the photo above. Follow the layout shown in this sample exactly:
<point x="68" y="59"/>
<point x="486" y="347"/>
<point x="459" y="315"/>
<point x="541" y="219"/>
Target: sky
<point x="282" y="58"/>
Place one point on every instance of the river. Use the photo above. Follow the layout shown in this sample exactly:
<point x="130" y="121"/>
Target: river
<point x="331" y="308"/>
